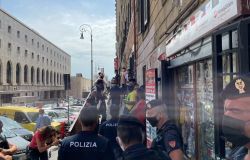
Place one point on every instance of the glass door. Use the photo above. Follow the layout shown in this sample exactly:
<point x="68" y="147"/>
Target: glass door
<point x="205" y="109"/>
<point x="187" y="112"/>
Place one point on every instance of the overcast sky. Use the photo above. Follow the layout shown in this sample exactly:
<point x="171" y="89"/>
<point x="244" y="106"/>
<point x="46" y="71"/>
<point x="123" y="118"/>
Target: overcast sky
<point x="59" y="21"/>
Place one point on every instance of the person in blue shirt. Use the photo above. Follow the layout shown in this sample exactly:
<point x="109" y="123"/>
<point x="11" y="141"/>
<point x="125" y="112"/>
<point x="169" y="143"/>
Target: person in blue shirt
<point x="42" y="120"/>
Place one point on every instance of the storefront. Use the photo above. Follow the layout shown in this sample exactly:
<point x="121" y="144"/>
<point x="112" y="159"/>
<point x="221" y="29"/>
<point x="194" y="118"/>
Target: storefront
<point x="199" y="63"/>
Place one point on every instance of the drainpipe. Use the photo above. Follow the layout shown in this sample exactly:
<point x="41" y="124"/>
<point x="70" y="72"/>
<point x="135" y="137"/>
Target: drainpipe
<point x="135" y="51"/>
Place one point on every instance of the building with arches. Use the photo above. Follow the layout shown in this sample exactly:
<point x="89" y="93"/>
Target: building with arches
<point x="24" y="63"/>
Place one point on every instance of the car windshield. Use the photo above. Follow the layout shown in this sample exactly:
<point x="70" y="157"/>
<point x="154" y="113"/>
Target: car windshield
<point x="62" y="114"/>
<point x="7" y="133"/>
<point x="33" y="116"/>
<point x="10" y="124"/>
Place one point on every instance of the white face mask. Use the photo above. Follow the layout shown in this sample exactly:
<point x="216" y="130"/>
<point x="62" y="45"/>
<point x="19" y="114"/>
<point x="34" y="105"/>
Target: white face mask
<point x="120" y="143"/>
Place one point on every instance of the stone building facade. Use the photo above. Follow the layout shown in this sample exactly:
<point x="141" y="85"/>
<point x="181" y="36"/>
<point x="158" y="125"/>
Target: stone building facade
<point x="80" y="86"/>
<point x="30" y="65"/>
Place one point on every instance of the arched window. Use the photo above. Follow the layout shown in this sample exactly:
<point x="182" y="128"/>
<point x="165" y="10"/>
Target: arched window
<point x="25" y="74"/>
<point x="51" y="77"/>
<point x="43" y="78"/>
<point x="55" y="78"/>
<point x="47" y="77"/>
<point x="38" y="75"/>
<point x="18" y="73"/>
<point x="9" y="71"/>
<point x="60" y="79"/>
<point x="32" y="75"/>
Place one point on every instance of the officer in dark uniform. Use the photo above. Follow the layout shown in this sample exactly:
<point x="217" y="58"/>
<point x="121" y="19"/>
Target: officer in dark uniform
<point x="87" y="144"/>
<point x="130" y="137"/>
<point x="236" y="118"/>
<point x="108" y="130"/>
<point x="168" y="138"/>
<point x="6" y="149"/>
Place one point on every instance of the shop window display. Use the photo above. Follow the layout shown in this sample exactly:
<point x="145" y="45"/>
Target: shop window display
<point x="185" y="101"/>
<point x="204" y="88"/>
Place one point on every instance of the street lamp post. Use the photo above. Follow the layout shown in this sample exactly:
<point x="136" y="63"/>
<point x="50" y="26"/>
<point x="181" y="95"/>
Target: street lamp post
<point x="83" y="29"/>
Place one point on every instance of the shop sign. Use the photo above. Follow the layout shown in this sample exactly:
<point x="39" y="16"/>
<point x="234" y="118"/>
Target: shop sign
<point x="150" y="94"/>
<point x="206" y="18"/>
<point x="150" y="85"/>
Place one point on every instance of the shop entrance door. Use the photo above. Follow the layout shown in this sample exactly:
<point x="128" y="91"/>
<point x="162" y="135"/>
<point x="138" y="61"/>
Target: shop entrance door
<point x="194" y="99"/>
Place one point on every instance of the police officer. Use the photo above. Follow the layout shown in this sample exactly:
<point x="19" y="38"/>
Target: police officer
<point x="236" y="118"/>
<point x="87" y="144"/>
<point x="130" y="137"/>
<point x="108" y="130"/>
<point x="168" y="138"/>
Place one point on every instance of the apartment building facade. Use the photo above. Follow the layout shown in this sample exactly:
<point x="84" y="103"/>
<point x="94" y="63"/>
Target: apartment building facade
<point x="80" y="86"/>
<point x="30" y="65"/>
<point x="195" y="47"/>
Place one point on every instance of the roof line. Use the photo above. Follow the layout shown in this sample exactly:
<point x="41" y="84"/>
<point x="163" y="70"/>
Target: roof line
<point x="32" y="30"/>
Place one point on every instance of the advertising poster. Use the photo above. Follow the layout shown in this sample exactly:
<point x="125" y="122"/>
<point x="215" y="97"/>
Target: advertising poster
<point x="150" y="93"/>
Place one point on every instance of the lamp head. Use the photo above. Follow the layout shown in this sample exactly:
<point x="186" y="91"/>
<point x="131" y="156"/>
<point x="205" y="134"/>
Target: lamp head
<point x="81" y="36"/>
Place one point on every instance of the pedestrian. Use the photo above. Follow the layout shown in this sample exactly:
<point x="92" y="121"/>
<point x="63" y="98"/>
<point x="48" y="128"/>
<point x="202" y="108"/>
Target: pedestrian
<point x="92" y="101"/>
<point x="131" y="97"/>
<point x="42" y="120"/>
<point x="42" y="140"/>
<point x="168" y="138"/>
<point x="130" y="137"/>
<point x="117" y="77"/>
<point x="6" y="148"/>
<point x="115" y="93"/>
<point x="108" y="130"/>
<point x="139" y="111"/>
<point x="124" y="77"/>
<point x="236" y="118"/>
<point x="87" y="144"/>
<point x="100" y="86"/>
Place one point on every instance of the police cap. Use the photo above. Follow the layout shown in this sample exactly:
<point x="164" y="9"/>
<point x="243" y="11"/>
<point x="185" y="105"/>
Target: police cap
<point x="154" y="103"/>
<point x="238" y="87"/>
<point x="126" y="120"/>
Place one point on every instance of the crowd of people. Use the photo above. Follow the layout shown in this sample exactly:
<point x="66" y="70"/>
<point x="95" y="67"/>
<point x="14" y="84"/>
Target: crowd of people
<point x="123" y="135"/>
<point x="126" y="130"/>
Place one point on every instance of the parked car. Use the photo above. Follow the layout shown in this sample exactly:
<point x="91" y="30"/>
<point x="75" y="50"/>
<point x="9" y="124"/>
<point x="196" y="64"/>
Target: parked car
<point x="59" y="115"/>
<point x="16" y="128"/>
<point x="20" y="142"/>
<point x="25" y="116"/>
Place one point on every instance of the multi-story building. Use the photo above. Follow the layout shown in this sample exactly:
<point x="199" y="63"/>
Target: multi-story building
<point x="80" y="86"/>
<point x="192" y="49"/>
<point x="30" y="65"/>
